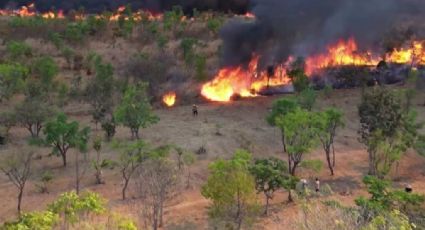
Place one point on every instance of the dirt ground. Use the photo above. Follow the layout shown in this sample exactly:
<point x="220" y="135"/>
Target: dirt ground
<point x="221" y="129"/>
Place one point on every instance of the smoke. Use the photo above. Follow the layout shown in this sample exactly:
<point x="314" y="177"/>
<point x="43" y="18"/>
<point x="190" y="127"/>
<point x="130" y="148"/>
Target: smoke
<point x="96" y="6"/>
<point x="305" y="27"/>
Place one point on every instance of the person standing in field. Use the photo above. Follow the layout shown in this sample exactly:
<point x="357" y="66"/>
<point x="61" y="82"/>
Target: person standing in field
<point x="317" y="185"/>
<point x="195" y="110"/>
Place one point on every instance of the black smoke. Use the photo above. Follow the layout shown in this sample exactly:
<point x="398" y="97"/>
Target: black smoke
<point x="97" y="6"/>
<point x="305" y="27"/>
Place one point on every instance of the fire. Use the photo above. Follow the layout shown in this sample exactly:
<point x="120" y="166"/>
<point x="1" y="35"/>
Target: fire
<point x="249" y="15"/>
<point x="53" y="15"/>
<point x="248" y="82"/>
<point x="245" y="82"/>
<point x="26" y="11"/>
<point x="341" y="54"/>
<point x="169" y="99"/>
<point x="413" y="55"/>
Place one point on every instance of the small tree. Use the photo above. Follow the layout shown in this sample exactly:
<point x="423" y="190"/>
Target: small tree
<point x="131" y="157"/>
<point x="271" y="175"/>
<point x="231" y="188"/>
<point x="45" y="69"/>
<point x="99" y="163"/>
<point x="7" y="120"/>
<point x="299" y="136"/>
<point x="157" y="179"/>
<point x="135" y="111"/>
<point x="99" y="92"/>
<point x="12" y="78"/>
<point x="18" y="50"/>
<point x="386" y="129"/>
<point x="188" y="159"/>
<point x="17" y="167"/>
<point x="32" y="113"/>
<point x="327" y="123"/>
<point x="46" y="178"/>
<point x="307" y="98"/>
<point x="63" y="135"/>
<point x="281" y="108"/>
<point x="297" y="75"/>
<point x="71" y="207"/>
<point x="108" y="126"/>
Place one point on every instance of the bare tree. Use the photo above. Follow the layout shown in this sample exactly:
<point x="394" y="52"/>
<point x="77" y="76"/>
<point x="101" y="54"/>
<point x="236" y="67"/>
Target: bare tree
<point x="156" y="182"/>
<point x="17" y="167"/>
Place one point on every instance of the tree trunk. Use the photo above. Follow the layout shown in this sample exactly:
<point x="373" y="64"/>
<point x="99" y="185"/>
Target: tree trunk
<point x="290" y="195"/>
<point x="328" y="159"/>
<point x="124" y="188"/>
<point x="21" y="191"/>
<point x="63" y="154"/>
<point x="77" y="174"/>
<point x="333" y="156"/>
<point x="267" y="205"/>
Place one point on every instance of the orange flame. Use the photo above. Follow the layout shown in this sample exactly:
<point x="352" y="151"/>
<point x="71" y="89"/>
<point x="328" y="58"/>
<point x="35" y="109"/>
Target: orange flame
<point x="340" y="54"/>
<point x="248" y="82"/>
<point x="414" y="55"/>
<point x="169" y="99"/>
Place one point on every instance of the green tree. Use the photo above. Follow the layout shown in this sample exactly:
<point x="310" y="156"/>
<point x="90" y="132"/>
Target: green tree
<point x="297" y="75"/>
<point x="99" y="163"/>
<point x="45" y="69"/>
<point x="384" y="198"/>
<point x="131" y="158"/>
<point x="281" y="108"/>
<point x="71" y="207"/>
<point x="187" y="45"/>
<point x="100" y="90"/>
<point x="12" y="78"/>
<point x="386" y="129"/>
<point x="327" y="123"/>
<point x="32" y="114"/>
<point x="201" y="67"/>
<point x="63" y="135"/>
<point x="271" y="175"/>
<point x="44" y="220"/>
<point x="17" y="168"/>
<point x="307" y="98"/>
<point x="299" y="136"/>
<point x="135" y="111"/>
<point x="18" y="50"/>
<point x="69" y="54"/>
<point x="231" y="188"/>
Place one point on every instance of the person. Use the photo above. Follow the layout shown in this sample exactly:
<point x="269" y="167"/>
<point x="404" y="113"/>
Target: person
<point x="408" y="188"/>
<point x="317" y="184"/>
<point x="195" y="110"/>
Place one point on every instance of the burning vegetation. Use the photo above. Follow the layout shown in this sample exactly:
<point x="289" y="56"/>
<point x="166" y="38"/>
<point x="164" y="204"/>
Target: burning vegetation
<point x="247" y="82"/>
<point x="169" y="99"/>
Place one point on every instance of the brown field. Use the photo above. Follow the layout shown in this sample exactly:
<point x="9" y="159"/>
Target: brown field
<point x="222" y="129"/>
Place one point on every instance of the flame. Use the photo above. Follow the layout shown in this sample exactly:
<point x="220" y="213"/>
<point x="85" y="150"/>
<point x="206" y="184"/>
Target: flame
<point x="249" y="15"/>
<point x="415" y="54"/>
<point x="245" y="82"/>
<point x="26" y="11"/>
<point x="53" y="15"/>
<point x="341" y="54"/>
<point x="169" y="99"/>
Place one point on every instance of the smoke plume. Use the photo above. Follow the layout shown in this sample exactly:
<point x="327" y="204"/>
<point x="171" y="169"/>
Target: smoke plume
<point x="304" y="27"/>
